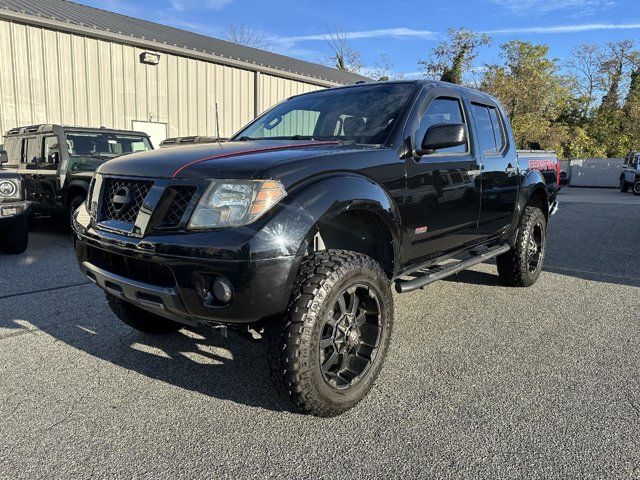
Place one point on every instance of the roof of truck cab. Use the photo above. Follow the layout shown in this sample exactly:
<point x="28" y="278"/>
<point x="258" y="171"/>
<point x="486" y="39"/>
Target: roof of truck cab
<point x="49" y="128"/>
<point x="433" y="83"/>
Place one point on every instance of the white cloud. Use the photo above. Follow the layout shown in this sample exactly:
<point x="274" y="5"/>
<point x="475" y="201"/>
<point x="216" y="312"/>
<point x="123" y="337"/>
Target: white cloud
<point x="378" y="33"/>
<point x="588" y="27"/>
<point x="527" y="7"/>
<point x="182" y="5"/>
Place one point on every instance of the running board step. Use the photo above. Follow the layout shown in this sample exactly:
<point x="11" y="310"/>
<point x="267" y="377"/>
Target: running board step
<point x="438" y="272"/>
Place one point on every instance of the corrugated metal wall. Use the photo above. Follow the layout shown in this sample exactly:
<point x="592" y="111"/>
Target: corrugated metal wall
<point x="55" y="77"/>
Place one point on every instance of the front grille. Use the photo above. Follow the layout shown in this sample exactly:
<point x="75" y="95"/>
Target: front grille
<point x="182" y="196"/>
<point x="144" y="271"/>
<point x="135" y="191"/>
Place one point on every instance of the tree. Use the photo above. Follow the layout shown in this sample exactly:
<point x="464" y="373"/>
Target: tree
<point x="614" y="63"/>
<point x="533" y="93"/>
<point x="584" y="65"/>
<point x="245" y="35"/>
<point x="609" y="125"/>
<point x="343" y="57"/>
<point x="383" y="69"/>
<point x="631" y="112"/>
<point x="452" y="59"/>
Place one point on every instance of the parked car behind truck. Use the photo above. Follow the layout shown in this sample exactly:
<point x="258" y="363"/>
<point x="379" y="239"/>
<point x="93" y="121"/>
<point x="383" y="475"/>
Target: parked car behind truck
<point x="14" y="211"/>
<point x="56" y="163"/>
<point x="630" y="176"/>
<point x="300" y="224"/>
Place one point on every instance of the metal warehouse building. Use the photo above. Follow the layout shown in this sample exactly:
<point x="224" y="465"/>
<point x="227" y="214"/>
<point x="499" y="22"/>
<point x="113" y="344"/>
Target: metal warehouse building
<point x="66" y="63"/>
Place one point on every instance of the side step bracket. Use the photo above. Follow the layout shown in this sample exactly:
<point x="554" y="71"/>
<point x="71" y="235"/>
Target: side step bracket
<point x="438" y="272"/>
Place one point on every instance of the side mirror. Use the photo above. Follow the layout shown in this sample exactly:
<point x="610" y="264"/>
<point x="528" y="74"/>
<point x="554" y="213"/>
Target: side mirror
<point x="443" y="135"/>
<point x="53" y="158"/>
<point x="4" y="157"/>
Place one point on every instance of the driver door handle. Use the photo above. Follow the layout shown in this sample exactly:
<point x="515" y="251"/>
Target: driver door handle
<point x="480" y="168"/>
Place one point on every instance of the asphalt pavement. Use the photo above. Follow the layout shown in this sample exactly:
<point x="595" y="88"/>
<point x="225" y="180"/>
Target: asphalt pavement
<point x="481" y="381"/>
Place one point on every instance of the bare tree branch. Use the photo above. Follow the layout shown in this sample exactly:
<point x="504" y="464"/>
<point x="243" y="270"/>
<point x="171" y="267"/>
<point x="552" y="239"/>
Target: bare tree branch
<point x="343" y="57"/>
<point x="245" y="35"/>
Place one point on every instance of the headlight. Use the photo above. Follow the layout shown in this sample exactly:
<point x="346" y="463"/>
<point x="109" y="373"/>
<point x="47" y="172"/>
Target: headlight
<point x="9" y="189"/>
<point x="229" y="203"/>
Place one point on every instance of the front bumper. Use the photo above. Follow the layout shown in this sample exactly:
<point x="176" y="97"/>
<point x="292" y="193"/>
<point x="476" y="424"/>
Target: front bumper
<point x="13" y="212"/>
<point x="168" y="274"/>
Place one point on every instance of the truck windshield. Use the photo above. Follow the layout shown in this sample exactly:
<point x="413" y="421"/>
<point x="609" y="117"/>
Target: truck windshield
<point x="88" y="150"/>
<point x="364" y="114"/>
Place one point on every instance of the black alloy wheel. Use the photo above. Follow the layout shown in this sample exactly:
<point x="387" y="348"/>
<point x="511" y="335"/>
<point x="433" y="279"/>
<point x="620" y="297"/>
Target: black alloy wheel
<point x="536" y="243"/>
<point x="351" y="337"/>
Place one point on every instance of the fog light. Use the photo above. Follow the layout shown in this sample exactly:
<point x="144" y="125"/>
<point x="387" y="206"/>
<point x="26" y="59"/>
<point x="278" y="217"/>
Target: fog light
<point x="222" y="290"/>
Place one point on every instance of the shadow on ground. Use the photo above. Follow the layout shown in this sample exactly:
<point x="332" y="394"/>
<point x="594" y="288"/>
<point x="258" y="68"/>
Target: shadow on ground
<point x="199" y="359"/>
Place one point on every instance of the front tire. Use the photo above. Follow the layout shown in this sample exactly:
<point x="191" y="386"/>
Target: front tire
<point x="140" y="319"/>
<point x="521" y="266"/>
<point x="624" y="186"/>
<point x="636" y="187"/>
<point x="16" y="239"/>
<point x="327" y="352"/>
<point x="74" y="204"/>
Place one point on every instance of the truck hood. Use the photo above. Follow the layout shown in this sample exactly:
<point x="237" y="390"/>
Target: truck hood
<point x="229" y="160"/>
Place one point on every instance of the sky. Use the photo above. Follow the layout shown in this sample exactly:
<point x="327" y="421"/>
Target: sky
<point x="404" y="30"/>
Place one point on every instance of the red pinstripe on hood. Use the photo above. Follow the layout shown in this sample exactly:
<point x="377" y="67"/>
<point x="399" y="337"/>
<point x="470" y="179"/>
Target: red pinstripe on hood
<point x="252" y="151"/>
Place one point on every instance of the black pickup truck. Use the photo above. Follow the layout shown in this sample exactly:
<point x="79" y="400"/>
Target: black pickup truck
<point x="299" y="225"/>
<point x="56" y="162"/>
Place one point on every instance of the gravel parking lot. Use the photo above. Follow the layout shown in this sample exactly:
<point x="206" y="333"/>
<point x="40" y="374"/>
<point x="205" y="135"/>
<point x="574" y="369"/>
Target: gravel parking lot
<point x="481" y="380"/>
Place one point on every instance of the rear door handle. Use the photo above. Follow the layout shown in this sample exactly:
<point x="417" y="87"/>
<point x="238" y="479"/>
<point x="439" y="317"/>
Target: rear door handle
<point x="476" y="172"/>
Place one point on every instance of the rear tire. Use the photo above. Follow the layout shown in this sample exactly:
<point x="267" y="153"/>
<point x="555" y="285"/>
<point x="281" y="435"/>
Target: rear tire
<point x="521" y="266"/>
<point x="636" y="187"/>
<point x="327" y="352"/>
<point x="16" y="239"/>
<point x="140" y="319"/>
<point x="624" y="186"/>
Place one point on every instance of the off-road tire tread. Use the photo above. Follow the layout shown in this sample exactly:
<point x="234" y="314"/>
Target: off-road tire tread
<point x="636" y="189"/>
<point x="289" y="372"/>
<point x="140" y="319"/>
<point x="513" y="266"/>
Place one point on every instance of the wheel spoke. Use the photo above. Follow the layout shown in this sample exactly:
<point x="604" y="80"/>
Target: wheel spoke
<point x="354" y="303"/>
<point x="342" y="304"/>
<point x="331" y="361"/>
<point x="360" y="319"/>
<point x="326" y="342"/>
<point x="344" y="365"/>
<point x="332" y="321"/>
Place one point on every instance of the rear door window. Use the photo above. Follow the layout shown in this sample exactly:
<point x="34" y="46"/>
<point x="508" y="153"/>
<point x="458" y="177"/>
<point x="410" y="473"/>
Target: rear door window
<point x="30" y="153"/>
<point x="486" y="138"/>
<point x="491" y="132"/>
